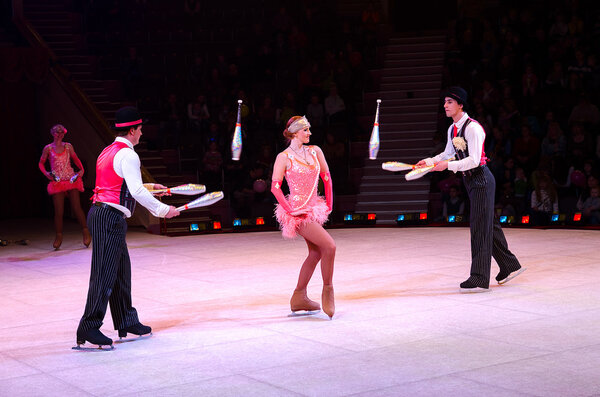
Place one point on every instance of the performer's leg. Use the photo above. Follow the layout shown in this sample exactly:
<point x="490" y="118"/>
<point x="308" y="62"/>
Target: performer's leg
<point x="309" y="265"/>
<point x="58" y="200"/>
<point x="76" y="207"/>
<point x="315" y="233"/>
<point x="123" y="313"/>
<point x="108" y="237"/>
<point x="506" y="260"/>
<point x="481" y="189"/>
<point x="300" y="300"/>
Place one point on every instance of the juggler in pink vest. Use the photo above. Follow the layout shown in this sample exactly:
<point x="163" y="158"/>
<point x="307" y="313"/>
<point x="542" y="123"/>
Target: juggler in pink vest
<point x="110" y="187"/>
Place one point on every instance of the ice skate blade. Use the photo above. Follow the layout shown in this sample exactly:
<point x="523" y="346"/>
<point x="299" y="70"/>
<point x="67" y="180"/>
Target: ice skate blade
<point x="477" y="290"/>
<point x="303" y="313"/>
<point x="512" y="275"/>
<point x="133" y="338"/>
<point x="94" y="349"/>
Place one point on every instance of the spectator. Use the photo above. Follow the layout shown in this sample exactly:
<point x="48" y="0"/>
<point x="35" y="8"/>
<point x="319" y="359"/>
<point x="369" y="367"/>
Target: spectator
<point x="544" y="200"/>
<point x="527" y="148"/>
<point x="171" y="120"/>
<point x="529" y="82"/>
<point x="212" y="166"/>
<point x="198" y="73"/>
<point x="591" y="207"/>
<point x="554" y="143"/>
<point x="198" y="115"/>
<point x="132" y="73"/>
<point x="453" y="204"/>
<point x="584" y="112"/>
<point x="315" y="111"/>
<point x="335" y="107"/>
<point x="580" y="143"/>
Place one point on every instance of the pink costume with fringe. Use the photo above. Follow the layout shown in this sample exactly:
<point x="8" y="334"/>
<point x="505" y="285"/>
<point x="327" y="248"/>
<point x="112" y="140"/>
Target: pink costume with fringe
<point x="302" y="180"/>
<point x="60" y="163"/>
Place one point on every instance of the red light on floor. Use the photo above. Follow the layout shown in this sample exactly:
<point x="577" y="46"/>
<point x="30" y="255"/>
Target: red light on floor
<point x="423" y="216"/>
<point x="525" y="219"/>
<point x="371" y="217"/>
<point x="216" y="225"/>
<point x="577" y="217"/>
<point x="260" y="221"/>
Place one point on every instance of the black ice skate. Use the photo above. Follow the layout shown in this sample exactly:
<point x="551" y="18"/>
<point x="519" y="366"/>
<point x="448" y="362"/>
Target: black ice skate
<point x="94" y="337"/>
<point x="138" y="329"/>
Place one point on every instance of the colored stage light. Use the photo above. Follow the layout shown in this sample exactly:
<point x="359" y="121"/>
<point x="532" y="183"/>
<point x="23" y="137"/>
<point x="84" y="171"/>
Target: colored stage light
<point x="503" y="219"/>
<point x="577" y="217"/>
<point x="452" y="218"/>
<point x="554" y="218"/>
<point x="216" y="225"/>
<point x="237" y="222"/>
<point x="194" y="227"/>
<point x="400" y="218"/>
<point x="360" y="219"/>
<point x="423" y="216"/>
<point x="525" y="219"/>
<point x="260" y="221"/>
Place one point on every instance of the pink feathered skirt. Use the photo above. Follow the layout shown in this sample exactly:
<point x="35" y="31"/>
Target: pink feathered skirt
<point x="289" y="224"/>
<point x="64" y="186"/>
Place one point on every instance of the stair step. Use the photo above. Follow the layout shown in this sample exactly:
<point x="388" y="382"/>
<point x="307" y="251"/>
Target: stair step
<point x="394" y="56"/>
<point x="415" y="70"/>
<point x="376" y="188"/>
<point x="430" y="94"/>
<point x="371" y="97"/>
<point x="398" y="206"/>
<point x="415" y="47"/>
<point x="389" y="108"/>
<point x="391" y="75"/>
<point x="410" y="86"/>
<point x="392" y="195"/>
<point x="418" y="39"/>
<point x="63" y="52"/>
<point x="413" y="61"/>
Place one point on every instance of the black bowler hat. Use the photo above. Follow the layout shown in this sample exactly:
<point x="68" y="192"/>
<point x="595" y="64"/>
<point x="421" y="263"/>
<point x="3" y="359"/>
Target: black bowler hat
<point x="456" y="93"/>
<point x="127" y="117"/>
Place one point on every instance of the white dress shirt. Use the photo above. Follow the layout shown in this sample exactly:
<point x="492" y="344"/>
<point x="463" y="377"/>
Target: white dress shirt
<point x="474" y="135"/>
<point x="126" y="164"/>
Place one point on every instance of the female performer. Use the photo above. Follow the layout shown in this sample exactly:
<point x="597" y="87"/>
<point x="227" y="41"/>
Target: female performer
<point x="64" y="181"/>
<point x="304" y="211"/>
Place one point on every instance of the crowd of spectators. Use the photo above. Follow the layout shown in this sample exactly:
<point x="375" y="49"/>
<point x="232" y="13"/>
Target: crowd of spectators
<point x="532" y="74"/>
<point x="280" y="58"/>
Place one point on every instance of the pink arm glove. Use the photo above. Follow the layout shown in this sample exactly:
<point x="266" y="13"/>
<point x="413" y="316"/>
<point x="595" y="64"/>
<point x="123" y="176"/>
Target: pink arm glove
<point x="326" y="176"/>
<point x="276" y="190"/>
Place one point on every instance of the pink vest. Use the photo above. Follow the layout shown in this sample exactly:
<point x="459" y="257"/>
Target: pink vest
<point x="110" y="187"/>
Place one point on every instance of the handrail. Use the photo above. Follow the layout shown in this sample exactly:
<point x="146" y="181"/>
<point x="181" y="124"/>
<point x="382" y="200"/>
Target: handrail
<point x="64" y="78"/>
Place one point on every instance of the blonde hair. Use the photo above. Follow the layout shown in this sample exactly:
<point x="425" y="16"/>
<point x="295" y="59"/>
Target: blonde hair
<point x="57" y="128"/>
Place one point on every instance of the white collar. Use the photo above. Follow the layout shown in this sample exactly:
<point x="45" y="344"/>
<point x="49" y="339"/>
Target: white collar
<point x="124" y="140"/>
<point x="462" y="121"/>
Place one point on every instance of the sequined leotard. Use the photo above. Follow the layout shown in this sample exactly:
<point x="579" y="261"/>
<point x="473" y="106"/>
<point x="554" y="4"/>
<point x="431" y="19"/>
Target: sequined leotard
<point x="60" y="163"/>
<point x="302" y="179"/>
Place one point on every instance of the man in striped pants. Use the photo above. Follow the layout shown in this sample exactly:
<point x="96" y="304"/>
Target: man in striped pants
<point x="118" y="187"/>
<point x="464" y="152"/>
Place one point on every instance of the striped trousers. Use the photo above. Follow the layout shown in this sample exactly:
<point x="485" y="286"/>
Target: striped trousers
<point x="487" y="237"/>
<point x="110" y="277"/>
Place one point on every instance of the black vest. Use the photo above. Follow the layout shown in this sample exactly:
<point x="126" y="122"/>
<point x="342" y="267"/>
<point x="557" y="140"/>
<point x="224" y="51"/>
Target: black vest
<point x="460" y="154"/>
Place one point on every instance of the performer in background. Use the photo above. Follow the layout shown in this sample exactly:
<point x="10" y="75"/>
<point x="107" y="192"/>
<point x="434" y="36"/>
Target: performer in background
<point x="465" y="142"/>
<point x="118" y="187"/>
<point x="63" y="181"/>
<point x="304" y="212"/>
